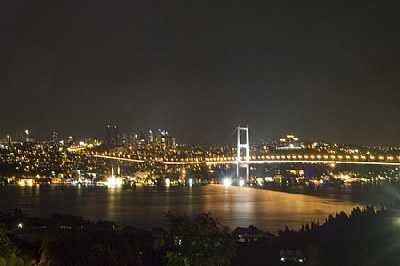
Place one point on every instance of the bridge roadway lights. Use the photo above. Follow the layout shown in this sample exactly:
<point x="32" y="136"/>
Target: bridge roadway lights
<point x="244" y="164"/>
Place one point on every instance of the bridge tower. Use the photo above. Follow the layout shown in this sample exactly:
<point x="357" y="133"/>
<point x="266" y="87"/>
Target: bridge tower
<point x="243" y="144"/>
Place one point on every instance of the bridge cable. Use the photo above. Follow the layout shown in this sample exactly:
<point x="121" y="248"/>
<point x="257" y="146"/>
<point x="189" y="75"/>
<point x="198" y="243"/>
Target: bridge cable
<point x="233" y="132"/>
<point x="268" y="141"/>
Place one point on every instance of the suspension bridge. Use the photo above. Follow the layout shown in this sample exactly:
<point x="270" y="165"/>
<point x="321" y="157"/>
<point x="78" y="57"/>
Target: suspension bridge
<point x="244" y="159"/>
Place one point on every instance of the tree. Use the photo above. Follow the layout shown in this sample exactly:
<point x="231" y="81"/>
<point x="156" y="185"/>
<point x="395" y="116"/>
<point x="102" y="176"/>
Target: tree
<point x="71" y="248"/>
<point x="8" y="251"/>
<point x="198" y="240"/>
<point x="6" y="245"/>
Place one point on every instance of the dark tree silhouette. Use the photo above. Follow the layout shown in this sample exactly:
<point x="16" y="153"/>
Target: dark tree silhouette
<point x="198" y="240"/>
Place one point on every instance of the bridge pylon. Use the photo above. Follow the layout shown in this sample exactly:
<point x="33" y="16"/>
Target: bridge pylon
<point x="243" y="145"/>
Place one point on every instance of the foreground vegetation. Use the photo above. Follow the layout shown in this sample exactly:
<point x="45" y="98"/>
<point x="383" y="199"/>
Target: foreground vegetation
<point x="364" y="237"/>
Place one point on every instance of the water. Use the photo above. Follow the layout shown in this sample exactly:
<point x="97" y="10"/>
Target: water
<point x="232" y="206"/>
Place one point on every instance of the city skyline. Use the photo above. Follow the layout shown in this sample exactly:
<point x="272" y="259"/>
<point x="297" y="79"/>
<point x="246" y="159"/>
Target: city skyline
<point x="318" y="70"/>
<point x="127" y="137"/>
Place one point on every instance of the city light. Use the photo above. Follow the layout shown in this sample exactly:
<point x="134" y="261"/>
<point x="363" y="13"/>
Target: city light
<point x="79" y="163"/>
<point x="203" y="133"/>
<point x="26" y="182"/>
<point x="227" y="182"/>
<point x="114" y="181"/>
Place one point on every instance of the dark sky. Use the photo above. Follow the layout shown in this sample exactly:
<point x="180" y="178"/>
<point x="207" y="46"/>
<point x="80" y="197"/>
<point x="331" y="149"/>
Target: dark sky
<point x="326" y="70"/>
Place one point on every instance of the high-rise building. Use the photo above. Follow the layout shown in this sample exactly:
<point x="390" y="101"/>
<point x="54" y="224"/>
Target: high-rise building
<point x="112" y="135"/>
<point x="165" y="139"/>
<point x="151" y="137"/>
<point x="70" y="141"/>
<point x="27" y="139"/>
<point x="8" y="140"/>
<point x="18" y="135"/>
<point x="123" y="138"/>
<point x="158" y="136"/>
<point x="133" y="138"/>
<point x="55" y="137"/>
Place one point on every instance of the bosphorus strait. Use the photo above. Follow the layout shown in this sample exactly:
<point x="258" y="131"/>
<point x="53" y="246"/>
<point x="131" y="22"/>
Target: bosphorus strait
<point x="144" y="207"/>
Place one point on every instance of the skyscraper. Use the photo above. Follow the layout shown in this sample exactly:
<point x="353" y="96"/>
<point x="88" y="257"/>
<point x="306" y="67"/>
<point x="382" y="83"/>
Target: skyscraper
<point x="112" y="135"/>
<point x="151" y="137"/>
<point x="55" y="137"/>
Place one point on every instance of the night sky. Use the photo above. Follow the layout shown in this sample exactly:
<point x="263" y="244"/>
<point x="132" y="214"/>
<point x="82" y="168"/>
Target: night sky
<point x="327" y="70"/>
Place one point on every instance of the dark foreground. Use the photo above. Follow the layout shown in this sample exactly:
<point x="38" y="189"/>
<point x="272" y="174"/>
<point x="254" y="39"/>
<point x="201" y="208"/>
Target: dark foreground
<point x="365" y="237"/>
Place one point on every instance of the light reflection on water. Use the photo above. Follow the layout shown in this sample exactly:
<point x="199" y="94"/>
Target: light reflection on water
<point x="144" y="207"/>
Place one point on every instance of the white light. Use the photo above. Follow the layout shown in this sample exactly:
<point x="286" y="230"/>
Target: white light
<point x="112" y="181"/>
<point x="227" y="182"/>
<point x="241" y="182"/>
<point x="167" y="182"/>
<point x="20" y="225"/>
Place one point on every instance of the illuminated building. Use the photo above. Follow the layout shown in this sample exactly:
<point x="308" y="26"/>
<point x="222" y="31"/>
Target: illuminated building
<point x="70" y="141"/>
<point x="289" y="143"/>
<point x="133" y="138"/>
<point x="124" y="138"/>
<point x="165" y="139"/>
<point x="27" y="135"/>
<point x="112" y="135"/>
<point x="55" y="137"/>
